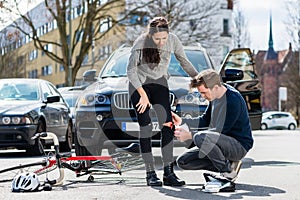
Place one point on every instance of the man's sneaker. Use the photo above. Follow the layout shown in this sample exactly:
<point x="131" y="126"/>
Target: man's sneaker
<point x="217" y="183"/>
<point x="235" y="168"/>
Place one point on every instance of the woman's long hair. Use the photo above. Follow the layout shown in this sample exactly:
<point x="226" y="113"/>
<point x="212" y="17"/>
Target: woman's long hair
<point x="150" y="51"/>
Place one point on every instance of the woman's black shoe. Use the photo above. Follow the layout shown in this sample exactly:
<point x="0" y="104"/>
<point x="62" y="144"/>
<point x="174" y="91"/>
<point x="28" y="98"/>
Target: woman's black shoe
<point x="152" y="179"/>
<point x="170" y="179"/>
<point x="173" y="180"/>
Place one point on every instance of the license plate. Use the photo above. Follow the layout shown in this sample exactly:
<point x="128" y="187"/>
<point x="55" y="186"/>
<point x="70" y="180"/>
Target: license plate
<point x="134" y="126"/>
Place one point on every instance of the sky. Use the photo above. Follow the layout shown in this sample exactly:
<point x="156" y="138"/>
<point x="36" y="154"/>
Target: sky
<point x="257" y="14"/>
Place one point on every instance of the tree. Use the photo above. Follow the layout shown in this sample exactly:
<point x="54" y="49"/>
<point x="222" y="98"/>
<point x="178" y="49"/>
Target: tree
<point x="293" y="21"/>
<point x="96" y="12"/>
<point x="241" y="37"/>
<point x="192" y="20"/>
<point x="291" y="80"/>
<point x="292" y="76"/>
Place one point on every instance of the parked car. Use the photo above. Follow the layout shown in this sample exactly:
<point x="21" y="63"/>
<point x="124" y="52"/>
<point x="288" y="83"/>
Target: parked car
<point x="70" y="96"/>
<point x="238" y="70"/>
<point x="104" y="114"/>
<point x="28" y="106"/>
<point x="278" y="120"/>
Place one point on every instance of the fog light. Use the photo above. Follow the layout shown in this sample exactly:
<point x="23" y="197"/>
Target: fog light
<point x="19" y="137"/>
<point x="99" y="117"/>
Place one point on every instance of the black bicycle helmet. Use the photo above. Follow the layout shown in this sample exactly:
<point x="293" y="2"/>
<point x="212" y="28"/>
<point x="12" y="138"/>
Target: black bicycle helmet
<point x="25" y="182"/>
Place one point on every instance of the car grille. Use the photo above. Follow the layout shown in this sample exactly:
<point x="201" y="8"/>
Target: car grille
<point x="122" y="101"/>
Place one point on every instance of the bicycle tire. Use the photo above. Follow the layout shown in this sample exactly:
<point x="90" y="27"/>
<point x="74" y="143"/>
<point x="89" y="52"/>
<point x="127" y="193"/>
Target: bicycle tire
<point x="127" y="161"/>
<point x="121" y="162"/>
<point x="9" y="173"/>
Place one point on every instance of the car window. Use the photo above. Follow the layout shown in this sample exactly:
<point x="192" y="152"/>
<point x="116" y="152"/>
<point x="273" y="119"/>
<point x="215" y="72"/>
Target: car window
<point x="46" y="90"/>
<point x="197" y="58"/>
<point x="71" y="100"/>
<point x="19" y="91"/>
<point x="117" y="64"/>
<point x="55" y="92"/>
<point x="241" y="60"/>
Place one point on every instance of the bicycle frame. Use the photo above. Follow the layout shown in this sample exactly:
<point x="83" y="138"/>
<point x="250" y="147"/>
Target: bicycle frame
<point x="61" y="160"/>
<point x="81" y="165"/>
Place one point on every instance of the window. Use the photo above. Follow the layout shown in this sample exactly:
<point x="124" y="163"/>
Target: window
<point x="105" y="25"/>
<point x="47" y="70"/>
<point x="47" y="47"/>
<point x="33" y="73"/>
<point x="61" y="68"/>
<point x="139" y="19"/>
<point x="33" y="55"/>
<point x="105" y="51"/>
<point x="85" y="59"/>
<point x="20" y="60"/>
<point x="226" y="28"/>
<point x="79" y="35"/>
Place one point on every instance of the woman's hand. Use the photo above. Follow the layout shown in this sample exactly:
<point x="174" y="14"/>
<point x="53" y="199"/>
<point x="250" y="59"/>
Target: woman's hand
<point x="143" y="104"/>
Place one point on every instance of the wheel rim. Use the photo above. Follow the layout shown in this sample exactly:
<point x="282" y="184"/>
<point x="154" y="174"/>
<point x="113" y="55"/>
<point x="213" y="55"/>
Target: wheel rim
<point x="263" y="127"/>
<point x="292" y="127"/>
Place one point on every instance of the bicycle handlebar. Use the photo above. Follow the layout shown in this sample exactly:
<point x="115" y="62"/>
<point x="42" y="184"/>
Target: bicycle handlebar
<point x="52" y="136"/>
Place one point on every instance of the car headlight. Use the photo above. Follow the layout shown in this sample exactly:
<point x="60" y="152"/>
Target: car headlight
<point x="92" y="99"/>
<point x="193" y="98"/>
<point x="16" y="120"/>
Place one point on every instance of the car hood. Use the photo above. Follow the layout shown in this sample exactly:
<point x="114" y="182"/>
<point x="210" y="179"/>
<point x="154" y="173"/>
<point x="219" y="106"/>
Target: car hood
<point x="179" y="85"/>
<point x="18" y="107"/>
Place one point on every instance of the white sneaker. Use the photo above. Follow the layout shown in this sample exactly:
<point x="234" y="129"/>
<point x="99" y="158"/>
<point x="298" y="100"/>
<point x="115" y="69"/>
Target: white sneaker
<point x="235" y="168"/>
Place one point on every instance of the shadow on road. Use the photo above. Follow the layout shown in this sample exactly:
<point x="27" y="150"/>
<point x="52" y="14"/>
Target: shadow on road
<point x="249" y="162"/>
<point x="242" y="191"/>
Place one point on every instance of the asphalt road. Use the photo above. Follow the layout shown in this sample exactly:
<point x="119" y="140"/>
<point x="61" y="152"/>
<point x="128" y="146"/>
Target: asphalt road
<point x="271" y="170"/>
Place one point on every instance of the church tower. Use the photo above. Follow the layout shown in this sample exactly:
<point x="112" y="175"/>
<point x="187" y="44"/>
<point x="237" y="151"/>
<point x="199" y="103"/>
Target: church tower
<point x="270" y="73"/>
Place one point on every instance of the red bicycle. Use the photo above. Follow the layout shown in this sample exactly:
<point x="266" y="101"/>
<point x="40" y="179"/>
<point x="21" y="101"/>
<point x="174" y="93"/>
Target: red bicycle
<point x="81" y="165"/>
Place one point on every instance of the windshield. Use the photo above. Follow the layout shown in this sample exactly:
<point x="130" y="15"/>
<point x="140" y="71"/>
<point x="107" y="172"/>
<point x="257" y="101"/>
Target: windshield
<point x="117" y="65"/>
<point x="18" y="91"/>
<point x="71" y="100"/>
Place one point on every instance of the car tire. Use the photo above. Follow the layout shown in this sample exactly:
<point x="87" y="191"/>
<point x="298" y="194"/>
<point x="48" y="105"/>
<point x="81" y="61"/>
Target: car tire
<point x="66" y="146"/>
<point x="292" y="127"/>
<point x="37" y="149"/>
<point x="86" y="150"/>
<point x="263" y="126"/>
<point x="80" y="150"/>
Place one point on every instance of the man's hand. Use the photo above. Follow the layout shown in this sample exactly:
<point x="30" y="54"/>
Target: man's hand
<point x="176" y="119"/>
<point x="182" y="134"/>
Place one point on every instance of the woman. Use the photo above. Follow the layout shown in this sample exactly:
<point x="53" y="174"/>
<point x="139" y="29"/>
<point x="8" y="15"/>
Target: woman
<point x="147" y="72"/>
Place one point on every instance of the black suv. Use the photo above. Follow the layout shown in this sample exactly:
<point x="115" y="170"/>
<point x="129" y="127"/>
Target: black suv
<point x="105" y="117"/>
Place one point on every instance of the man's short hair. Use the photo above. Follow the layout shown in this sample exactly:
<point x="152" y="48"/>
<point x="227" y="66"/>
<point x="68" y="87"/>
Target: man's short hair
<point x="209" y="78"/>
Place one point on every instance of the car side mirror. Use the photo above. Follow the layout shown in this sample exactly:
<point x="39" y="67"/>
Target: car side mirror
<point x="233" y="75"/>
<point x="52" y="99"/>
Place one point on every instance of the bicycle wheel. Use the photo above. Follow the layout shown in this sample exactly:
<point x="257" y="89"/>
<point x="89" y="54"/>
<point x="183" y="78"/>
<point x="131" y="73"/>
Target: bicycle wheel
<point x="9" y="173"/>
<point x="36" y="167"/>
<point x="125" y="161"/>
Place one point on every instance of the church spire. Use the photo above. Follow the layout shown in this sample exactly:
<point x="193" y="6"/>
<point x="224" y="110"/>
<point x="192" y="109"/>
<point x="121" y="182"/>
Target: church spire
<point x="271" y="34"/>
<point x="271" y="54"/>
